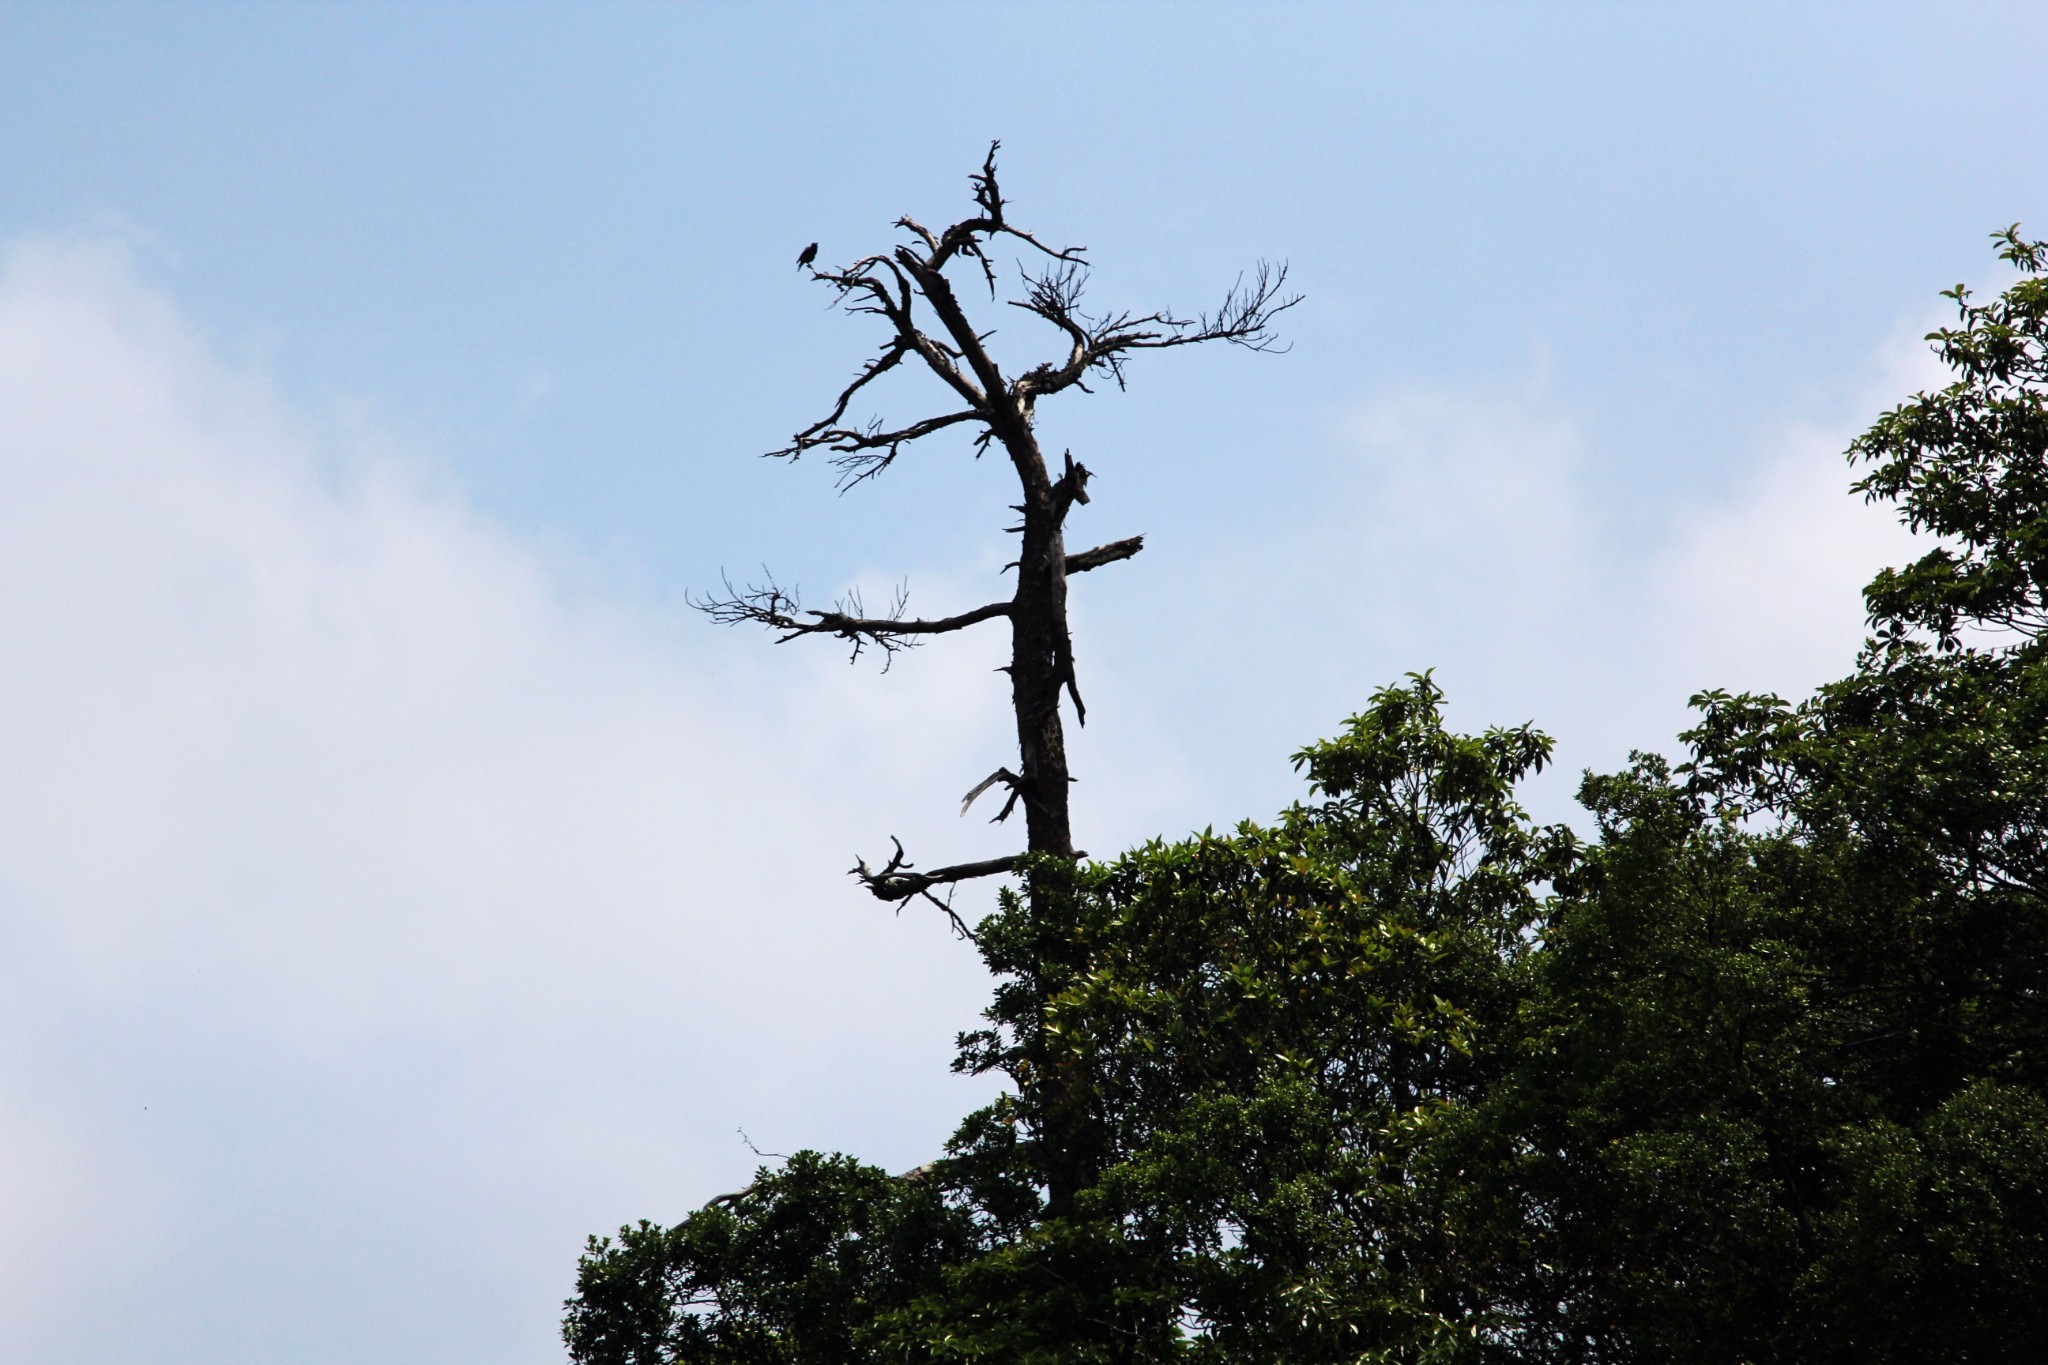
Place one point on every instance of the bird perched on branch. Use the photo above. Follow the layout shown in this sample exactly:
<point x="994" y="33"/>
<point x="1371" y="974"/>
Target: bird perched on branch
<point x="807" y="255"/>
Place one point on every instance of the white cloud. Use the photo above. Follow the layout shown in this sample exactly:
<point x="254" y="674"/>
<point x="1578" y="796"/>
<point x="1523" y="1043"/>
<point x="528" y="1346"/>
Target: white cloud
<point x="1461" y="530"/>
<point x="377" y="916"/>
<point x="376" y="913"/>
<point x="1765" y="593"/>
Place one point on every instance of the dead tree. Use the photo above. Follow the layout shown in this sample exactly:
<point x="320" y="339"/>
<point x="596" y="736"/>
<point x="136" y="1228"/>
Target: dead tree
<point x="910" y="289"/>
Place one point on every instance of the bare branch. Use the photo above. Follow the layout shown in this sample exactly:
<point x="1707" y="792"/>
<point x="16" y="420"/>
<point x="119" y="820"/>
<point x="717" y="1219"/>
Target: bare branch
<point x="877" y="285"/>
<point x="946" y="908"/>
<point x="1099" y="556"/>
<point x="818" y="432"/>
<point x="765" y="1156"/>
<point x="1099" y="344"/>
<point x="938" y="295"/>
<point x="782" y="609"/>
<point x="889" y="286"/>
<point x="1246" y="315"/>
<point x="909" y="224"/>
<point x="880" y="629"/>
<point x="912" y="288"/>
<point x="964" y="237"/>
<point x="970" y="237"/>
<point x="862" y="288"/>
<point x="1008" y="779"/>
<point x="862" y="453"/>
<point x="1104" y="554"/>
<point x="1056" y="296"/>
<point x="1072" y="487"/>
<point x="897" y="882"/>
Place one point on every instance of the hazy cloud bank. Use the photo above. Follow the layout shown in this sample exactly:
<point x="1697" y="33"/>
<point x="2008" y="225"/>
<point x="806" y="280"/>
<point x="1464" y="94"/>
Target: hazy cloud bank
<point x="1463" y="531"/>
<point x="378" y="915"/>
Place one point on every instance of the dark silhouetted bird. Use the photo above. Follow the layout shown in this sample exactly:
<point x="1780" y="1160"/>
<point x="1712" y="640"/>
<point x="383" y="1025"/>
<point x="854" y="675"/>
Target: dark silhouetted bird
<point x="807" y="255"/>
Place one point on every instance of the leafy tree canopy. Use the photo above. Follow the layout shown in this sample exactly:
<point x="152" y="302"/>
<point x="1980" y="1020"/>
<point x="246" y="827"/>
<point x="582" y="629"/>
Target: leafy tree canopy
<point x="1757" y="1072"/>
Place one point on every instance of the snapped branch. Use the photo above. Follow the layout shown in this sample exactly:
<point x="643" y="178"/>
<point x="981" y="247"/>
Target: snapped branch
<point x="1008" y="779"/>
<point x="1104" y="554"/>
<point x="897" y="881"/>
<point x="1070" y="488"/>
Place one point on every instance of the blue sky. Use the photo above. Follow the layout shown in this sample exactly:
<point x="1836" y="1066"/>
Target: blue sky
<point x="398" y="882"/>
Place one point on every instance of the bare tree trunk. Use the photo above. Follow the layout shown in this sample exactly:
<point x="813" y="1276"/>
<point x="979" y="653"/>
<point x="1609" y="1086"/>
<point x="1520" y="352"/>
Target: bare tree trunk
<point x="902" y="286"/>
<point x="1040" y="660"/>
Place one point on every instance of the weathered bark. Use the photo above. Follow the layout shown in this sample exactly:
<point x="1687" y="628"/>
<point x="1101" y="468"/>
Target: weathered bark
<point x="1041" y="658"/>
<point x="900" y="286"/>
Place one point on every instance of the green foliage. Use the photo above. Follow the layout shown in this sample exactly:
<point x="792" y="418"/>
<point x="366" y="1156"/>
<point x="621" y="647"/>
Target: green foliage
<point x="1733" y="1038"/>
<point x="795" y="1270"/>
<point x="1269" y="1023"/>
<point x="1970" y="464"/>
<point x="1758" y="1073"/>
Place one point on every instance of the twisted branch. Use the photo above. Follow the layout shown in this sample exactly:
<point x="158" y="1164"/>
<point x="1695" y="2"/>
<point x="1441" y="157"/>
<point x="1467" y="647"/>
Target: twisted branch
<point x="891" y="286"/>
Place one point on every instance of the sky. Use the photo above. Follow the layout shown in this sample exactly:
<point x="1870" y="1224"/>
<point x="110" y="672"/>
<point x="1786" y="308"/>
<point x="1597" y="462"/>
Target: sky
<point x="399" y="882"/>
